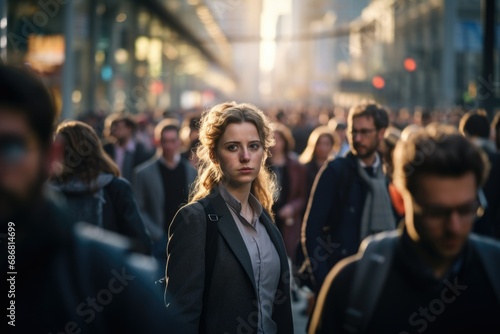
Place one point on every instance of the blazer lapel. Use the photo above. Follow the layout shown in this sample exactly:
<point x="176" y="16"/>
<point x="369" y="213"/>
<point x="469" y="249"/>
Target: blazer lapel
<point x="277" y="240"/>
<point x="231" y="234"/>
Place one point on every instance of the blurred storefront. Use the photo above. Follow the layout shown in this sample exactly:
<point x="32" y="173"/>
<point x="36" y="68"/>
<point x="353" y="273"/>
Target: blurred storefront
<point x="112" y="55"/>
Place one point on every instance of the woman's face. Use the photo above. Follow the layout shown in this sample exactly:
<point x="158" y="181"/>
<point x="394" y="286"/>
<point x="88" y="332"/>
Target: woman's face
<point x="239" y="154"/>
<point x="323" y="148"/>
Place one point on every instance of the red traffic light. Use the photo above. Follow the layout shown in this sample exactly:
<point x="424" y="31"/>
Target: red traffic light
<point x="410" y="64"/>
<point x="378" y="82"/>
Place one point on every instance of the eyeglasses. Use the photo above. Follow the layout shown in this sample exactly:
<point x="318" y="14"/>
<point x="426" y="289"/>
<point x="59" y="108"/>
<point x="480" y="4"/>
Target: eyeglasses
<point x="435" y="212"/>
<point x="361" y="132"/>
<point x="13" y="148"/>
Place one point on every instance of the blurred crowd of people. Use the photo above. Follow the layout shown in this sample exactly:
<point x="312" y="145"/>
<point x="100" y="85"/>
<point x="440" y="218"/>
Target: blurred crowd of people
<point x="338" y="182"/>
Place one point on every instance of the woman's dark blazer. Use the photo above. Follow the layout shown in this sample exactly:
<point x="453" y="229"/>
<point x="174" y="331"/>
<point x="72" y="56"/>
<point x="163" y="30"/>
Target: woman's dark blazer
<point x="232" y="299"/>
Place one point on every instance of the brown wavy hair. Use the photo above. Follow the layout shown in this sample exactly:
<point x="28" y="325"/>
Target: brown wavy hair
<point x="84" y="156"/>
<point x="213" y="124"/>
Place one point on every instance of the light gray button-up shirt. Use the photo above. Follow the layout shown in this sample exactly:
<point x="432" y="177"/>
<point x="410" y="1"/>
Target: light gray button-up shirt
<point x="263" y="254"/>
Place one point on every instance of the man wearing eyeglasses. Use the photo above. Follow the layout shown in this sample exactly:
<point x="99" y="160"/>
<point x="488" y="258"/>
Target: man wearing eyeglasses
<point x="350" y="198"/>
<point x="432" y="275"/>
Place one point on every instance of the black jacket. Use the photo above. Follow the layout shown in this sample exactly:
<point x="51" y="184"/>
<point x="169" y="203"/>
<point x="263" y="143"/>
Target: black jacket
<point x="77" y="277"/>
<point x="412" y="300"/>
<point x="232" y="298"/>
<point x="332" y="223"/>
<point x="109" y="203"/>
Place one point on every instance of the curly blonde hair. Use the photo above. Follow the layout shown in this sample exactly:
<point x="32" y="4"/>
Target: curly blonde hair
<point x="213" y="125"/>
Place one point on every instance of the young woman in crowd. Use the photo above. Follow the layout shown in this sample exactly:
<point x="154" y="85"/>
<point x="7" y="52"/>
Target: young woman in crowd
<point x="227" y="269"/>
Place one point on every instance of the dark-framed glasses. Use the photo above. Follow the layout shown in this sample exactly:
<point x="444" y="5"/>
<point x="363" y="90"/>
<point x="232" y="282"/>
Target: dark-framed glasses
<point x="361" y="132"/>
<point x="436" y="212"/>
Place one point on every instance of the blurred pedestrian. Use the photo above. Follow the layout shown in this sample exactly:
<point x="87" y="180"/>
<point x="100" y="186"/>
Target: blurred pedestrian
<point x="476" y="126"/>
<point x="122" y="146"/>
<point x="301" y="132"/>
<point x="339" y="127"/>
<point x="351" y="198"/>
<point x="320" y="147"/>
<point x="291" y="179"/>
<point x="63" y="278"/>
<point x="162" y="185"/>
<point x="94" y="192"/>
<point x="227" y="269"/>
<point x="432" y="275"/>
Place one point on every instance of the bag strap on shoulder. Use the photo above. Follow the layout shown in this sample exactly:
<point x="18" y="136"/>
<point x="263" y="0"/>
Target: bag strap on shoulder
<point x="489" y="252"/>
<point x="369" y="279"/>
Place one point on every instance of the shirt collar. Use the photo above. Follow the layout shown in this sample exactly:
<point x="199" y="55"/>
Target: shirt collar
<point x="374" y="165"/>
<point x="130" y="147"/>
<point x="236" y="204"/>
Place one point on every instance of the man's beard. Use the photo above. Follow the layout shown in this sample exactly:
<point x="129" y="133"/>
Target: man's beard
<point x="12" y="204"/>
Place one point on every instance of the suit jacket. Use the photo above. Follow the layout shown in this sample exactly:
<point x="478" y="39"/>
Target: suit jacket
<point x="131" y="160"/>
<point x="231" y="304"/>
<point x="150" y="193"/>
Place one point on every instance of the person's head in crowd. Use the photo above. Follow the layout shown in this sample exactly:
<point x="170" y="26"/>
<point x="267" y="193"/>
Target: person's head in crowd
<point x="475" y="124"/>
<point x="27" y="117"/>
<point x="320" y="145"/>
<point x="223" y="128"/>
<point x="495" y="125"/>
<point x="340" y="128"/>
<point x="391" y="138"/>
<point x="422" y="117"/>
<point x="438" y="173"/>
<point x="167" y="138"/>
<point x="284" y="142"/>
<point x="409" y="130"/>
<point x="281" y="117"/>
<point x="366" y="125"/>
<point x="83" y="158"/>
<point x="121" y="127"/>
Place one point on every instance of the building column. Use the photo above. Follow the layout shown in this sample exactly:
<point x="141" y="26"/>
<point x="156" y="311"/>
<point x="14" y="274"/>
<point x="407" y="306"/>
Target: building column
<point x="68" y="74"/>
<point x="3" y="31"/>
<point x="448" y="75"/>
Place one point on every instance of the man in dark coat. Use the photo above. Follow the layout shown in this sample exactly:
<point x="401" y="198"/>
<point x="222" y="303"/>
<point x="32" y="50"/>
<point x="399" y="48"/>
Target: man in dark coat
<point x="61" y="277"/>
<point x="350" y="198"/>
<point x="438" y="276"/>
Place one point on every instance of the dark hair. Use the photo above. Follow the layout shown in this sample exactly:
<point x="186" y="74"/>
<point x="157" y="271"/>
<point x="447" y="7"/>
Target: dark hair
<point x="370" y="109"/>
<point x="84" y="156"/>
<point x="168" y="124"/>
<point x="23" y="93"/>
<point x="438" y="150"/>
<point x="121" y="117"/>
<point x="475" y="123"/>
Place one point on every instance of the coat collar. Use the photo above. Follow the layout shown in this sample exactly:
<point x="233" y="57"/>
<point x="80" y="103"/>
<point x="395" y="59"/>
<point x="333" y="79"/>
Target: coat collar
<point x="231" y="234"/>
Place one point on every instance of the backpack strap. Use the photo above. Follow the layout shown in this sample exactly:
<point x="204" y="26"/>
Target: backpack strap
<point x="489" y="253"/>
<point x="212" y="220"/>
<point x="371" y="271"/>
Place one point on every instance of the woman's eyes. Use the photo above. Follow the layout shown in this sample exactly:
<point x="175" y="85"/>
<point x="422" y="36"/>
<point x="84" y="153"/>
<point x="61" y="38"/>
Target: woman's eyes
<point x="234" y="148"/>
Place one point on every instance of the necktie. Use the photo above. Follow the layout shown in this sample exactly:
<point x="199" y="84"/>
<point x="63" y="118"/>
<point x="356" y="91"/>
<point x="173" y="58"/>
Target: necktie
<point x="369" y="171"/>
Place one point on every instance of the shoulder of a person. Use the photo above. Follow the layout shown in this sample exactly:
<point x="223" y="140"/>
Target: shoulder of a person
<point x="144" y="167"/>
<point x="119" y="183"/>
<point x="102" y="248"/>
<point x="491" y="244"/>
<point x="341" y="164"/>
<point x="186" y="163"/>
<point x="191" y="212"/>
